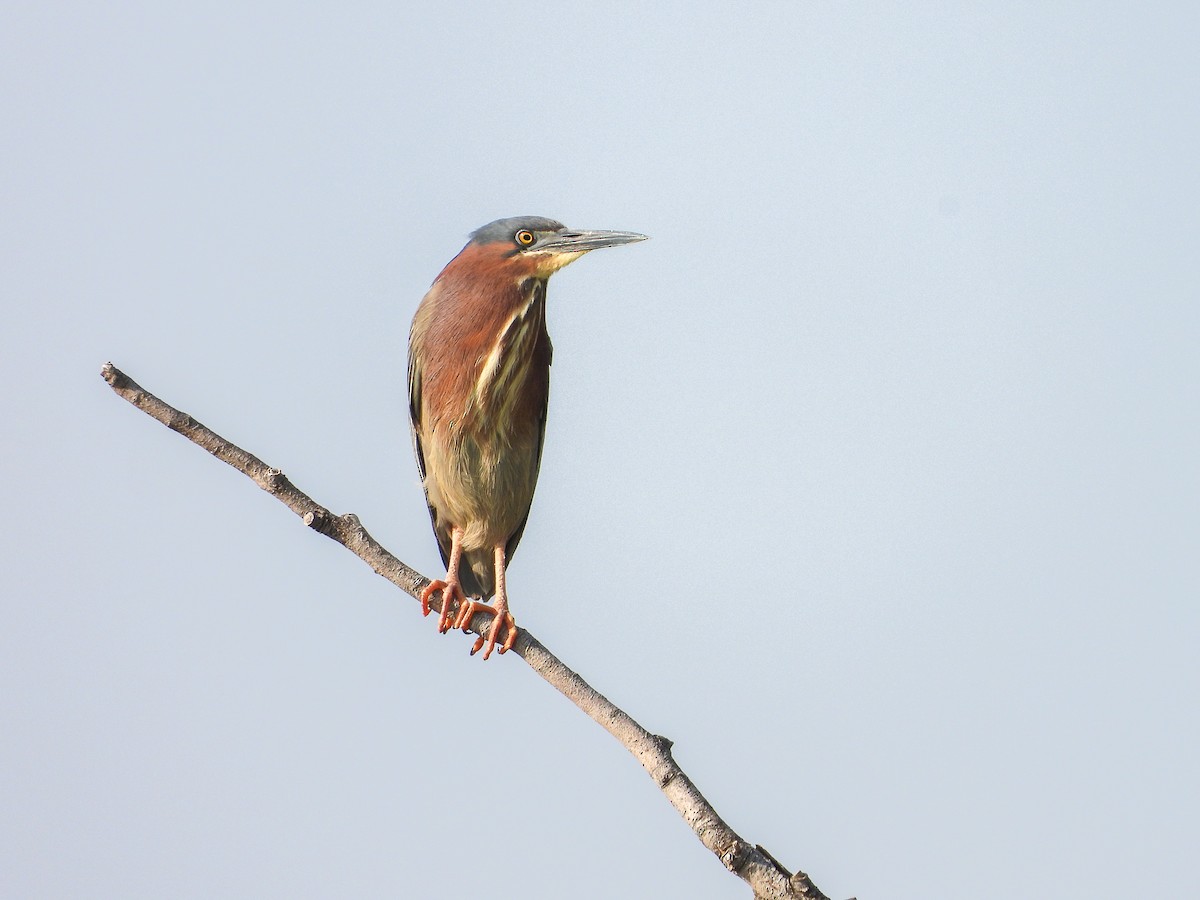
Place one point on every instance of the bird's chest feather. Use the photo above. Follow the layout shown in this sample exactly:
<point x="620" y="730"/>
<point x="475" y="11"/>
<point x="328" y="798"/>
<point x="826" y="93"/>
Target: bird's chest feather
<point x="486" y="376"/>
<point x="507" y="376"/>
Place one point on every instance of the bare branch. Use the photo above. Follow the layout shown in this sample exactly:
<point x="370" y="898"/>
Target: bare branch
<point x="753" y="864"/>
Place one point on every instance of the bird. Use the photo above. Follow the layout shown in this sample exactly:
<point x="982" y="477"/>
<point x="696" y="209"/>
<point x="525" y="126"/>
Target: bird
<point x="478" y="384"/>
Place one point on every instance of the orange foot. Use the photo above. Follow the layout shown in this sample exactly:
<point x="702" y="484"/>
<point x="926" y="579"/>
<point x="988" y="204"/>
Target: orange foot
<point x="500" y="618"/>
<point x="450" y="591"/>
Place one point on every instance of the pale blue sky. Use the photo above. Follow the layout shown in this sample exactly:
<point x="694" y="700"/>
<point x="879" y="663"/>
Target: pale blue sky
<point x="871" y="480"/>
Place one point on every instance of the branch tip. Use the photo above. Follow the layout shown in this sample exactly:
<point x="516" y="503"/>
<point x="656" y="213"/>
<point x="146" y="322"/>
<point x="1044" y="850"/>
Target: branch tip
<point x="116" y="379"/>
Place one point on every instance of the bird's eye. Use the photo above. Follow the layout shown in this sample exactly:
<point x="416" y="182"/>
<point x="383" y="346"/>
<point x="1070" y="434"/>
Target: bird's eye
<point x="524" y="238"/>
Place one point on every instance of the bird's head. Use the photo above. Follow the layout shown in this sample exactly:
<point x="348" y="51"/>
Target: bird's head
<point x="531" y="246"/>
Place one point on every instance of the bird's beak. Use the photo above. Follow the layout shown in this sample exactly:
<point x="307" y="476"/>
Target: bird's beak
<point x="566" y="241"/>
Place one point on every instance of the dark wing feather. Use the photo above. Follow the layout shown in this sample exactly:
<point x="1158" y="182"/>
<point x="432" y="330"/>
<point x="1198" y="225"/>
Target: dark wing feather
<point x="414" y="424"/>
<point x="511" y="547"/>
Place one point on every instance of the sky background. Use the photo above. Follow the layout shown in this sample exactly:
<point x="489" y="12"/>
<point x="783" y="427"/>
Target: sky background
<point x="871" y="480"/>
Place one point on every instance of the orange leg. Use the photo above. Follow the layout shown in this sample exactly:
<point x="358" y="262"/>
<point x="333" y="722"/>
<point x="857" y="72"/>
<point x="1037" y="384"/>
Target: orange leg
<point x="499" y="612"/>
<point x="450" y="588"/>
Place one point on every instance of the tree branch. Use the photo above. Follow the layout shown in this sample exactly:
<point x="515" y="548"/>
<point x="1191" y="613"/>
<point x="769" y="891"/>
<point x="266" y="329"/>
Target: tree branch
<point x="751" y="863"/>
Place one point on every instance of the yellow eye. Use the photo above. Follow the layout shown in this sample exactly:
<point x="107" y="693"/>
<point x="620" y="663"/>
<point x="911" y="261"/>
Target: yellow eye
<point x="524" y="238"/>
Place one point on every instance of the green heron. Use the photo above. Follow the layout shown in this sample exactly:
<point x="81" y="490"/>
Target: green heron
<point x="478" y="383"/>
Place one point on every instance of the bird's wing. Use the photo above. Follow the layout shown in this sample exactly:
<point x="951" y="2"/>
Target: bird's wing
<point x="414" y="411"/>
<point x="548" y="349"/>
<point x="414" y="423"/>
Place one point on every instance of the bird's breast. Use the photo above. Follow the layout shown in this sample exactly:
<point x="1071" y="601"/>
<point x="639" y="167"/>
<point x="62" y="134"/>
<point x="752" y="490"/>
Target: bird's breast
<point x="507" y="389"/>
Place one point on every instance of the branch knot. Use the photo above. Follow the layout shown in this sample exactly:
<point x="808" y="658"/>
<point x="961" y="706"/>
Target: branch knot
<point x="802" y="886"/>
<point x="275" y="481"/>
<point x="735" y="855"/>
<point x="318" y="520"/>
<point x="178" y="421"/>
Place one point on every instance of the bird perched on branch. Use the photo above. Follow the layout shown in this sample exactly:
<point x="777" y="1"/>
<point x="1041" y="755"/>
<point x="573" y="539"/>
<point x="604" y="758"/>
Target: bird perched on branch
<point x="478" y="383"/>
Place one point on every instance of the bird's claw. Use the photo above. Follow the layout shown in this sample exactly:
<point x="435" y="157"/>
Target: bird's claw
<point x="500" y="619"/>
<point x="452" y="598"/>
